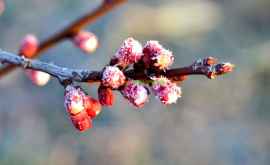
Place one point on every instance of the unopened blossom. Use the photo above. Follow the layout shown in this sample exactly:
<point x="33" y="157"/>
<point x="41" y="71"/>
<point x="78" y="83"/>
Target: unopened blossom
<point x="167" y="91"/>
<point x="130" y="52"/>
<point x="155" y="56"/>
<point x="113" y="77"/>
<point x="74" y="100"/>
<point x="135" y="93"/>
<point x="92" y="106"/>
<point x="75" y="106"/>
<point x="81" y="121"/>
<point x="105" y="96"/>
<point x="38" y="78"/>
<point x="86" y="41"/>
<point x="29" y="46"/>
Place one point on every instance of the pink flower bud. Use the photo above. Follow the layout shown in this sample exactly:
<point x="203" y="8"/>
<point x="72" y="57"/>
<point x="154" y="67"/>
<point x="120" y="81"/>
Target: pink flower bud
<point x="113" y="77"/>
<point x="106" y="96"/>
<point x="155" y="56"/>
<point x="167" y="91"/>
<point x="38" y="78"/>
<point x="135" y="94"/>
<point x="29" y="46"/>
<point x="92" y="106"/>
<point x="81" y="121"/>
<point x="74" y="100"/>
<point x="75" y="106"/>
<point x="86" y="41"/>
<point x="130" y="52"/>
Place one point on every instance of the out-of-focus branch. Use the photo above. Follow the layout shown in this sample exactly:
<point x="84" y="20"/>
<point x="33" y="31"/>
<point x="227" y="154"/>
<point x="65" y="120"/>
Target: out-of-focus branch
<point x="83" y="75"/>
<point x="70" y="30"/>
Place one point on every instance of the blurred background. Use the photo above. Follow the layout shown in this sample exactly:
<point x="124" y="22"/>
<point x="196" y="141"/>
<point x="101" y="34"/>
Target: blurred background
<point x="223" y="121"/>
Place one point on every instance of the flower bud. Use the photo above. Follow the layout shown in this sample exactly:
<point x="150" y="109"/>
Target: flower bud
<point x="86" y="41"/>
<point x="113" y="77"/>
<point x="105" y="96"/>
<point x="135" y="93"/>
<point x="130" y="52"/>
<point x="38" y="78"/>
<point x="29" y="46"/>
<point x="167" y="91"/>
<point x="81" y="121"/>
<point x="75" y="106"/>
<point x="92" y="106"/>
<point x="155" y="56"/>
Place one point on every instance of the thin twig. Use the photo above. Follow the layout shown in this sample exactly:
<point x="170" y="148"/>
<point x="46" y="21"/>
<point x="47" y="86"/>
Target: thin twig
<point x="70" y="30"/>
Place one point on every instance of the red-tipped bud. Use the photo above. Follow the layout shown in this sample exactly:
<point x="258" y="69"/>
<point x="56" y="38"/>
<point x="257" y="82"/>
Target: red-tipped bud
<point x="167" y="91"/>
<point x="75" y="106"/>
<point x="135" y="93"/>
<point x="105" y="96"/>
<point x="130" y="52"/>
<point x="38" y="78"/>
<point x="92" y="106"/>
<point x="81" y="121"/>
<point x="86" y="41"/>
<point x="155" y="56"/>
<point x="224" y="68"/>
<point x="113" y="77"/>
<point x="29" y="46"/>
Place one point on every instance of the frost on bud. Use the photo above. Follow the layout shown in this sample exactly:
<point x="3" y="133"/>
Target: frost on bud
<point x="135" y="93"/>
<point x="86" y="41"/>
<point x="155" y="56"/>
<point x="75" y="106"/>
<point x="224" y="68"/>
<point x="38" y="78"/>
<point x="130" y="52"/>
<point x="29" y="46"/>
<point x="167" y="91"/>
<point x="105" y="96"/>
<point x="92" y="106"/>
<point x="113" y="77"/>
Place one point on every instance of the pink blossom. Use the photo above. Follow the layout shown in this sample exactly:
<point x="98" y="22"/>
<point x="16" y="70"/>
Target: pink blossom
<point x="113" y="77"/>
<point x="167" y="91"/>
<point x="135" y="94"/>
<point x="130" y="52"/>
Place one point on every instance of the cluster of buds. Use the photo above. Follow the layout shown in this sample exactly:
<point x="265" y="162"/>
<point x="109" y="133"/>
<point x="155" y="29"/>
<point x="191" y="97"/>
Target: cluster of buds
<point x="82" y="109"/>
<point x="28" y="49"/>
<point x="151" y="56"/>
<point x="152" y="59"/>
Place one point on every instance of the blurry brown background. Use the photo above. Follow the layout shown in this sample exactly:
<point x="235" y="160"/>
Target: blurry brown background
<point x="224" y="121"/>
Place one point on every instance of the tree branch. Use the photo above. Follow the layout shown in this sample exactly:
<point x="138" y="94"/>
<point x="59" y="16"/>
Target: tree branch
<point x="83" y="75"/>
<point x="70" y="30"/>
